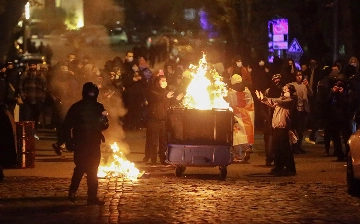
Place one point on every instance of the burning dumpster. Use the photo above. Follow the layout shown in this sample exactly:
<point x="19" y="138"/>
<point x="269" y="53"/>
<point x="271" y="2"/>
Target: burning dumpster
<point x="199" y="138"/>
<point x="200" y="132"/>
<point x="200" y="127"/>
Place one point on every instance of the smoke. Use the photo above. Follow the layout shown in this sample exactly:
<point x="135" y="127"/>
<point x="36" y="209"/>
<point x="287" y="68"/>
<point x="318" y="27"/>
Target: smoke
<point x="115" y="132"/>
<point x="102" y="12"/>
<point x="100" y="17"/>
<point x="93" y="43"/>
<point x="65" y="89"/>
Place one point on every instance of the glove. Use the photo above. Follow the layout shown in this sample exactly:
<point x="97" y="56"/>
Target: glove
<point x="102" y="138"/>
<point x="104" y="121"/>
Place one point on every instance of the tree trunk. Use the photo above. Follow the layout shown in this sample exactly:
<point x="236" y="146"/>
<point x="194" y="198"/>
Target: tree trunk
<point x="347" y="27"/>
<point x="9" y="17"/>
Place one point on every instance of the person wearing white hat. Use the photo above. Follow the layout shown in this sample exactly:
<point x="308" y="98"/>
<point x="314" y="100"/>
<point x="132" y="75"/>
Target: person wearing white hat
<point x="242" y="103"/>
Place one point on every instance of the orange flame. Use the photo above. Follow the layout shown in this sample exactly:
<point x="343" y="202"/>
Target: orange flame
<point x="118" y="166"/>
<point x="203" y="93"/>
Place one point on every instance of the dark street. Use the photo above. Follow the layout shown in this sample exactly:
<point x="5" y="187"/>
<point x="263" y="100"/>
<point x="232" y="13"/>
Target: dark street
<point x="317" y="194"/>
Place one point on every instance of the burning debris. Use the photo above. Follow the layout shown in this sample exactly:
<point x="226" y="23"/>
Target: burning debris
<point x="116" y="165"/>
<point x="206" y="89"/>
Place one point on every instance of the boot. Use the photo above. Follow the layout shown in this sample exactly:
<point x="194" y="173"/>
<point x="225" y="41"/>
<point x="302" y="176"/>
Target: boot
<point x="57" y="149"/>
<point x="72" y="196"/>
<point x="248" y="151"/>
<point x="247" y="156"/>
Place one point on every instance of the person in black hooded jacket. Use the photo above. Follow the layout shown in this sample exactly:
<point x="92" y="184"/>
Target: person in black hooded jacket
<point x="83" y="126"/>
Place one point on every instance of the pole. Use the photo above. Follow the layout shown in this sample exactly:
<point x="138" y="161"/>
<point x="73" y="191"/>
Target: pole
<point x="335" y="30"/>
<point x="26" y="26"/>
<point x="25" y="36"/>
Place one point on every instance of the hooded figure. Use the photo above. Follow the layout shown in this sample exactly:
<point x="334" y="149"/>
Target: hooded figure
<point x="83" y="126"/>
<point x="338" y="118"/>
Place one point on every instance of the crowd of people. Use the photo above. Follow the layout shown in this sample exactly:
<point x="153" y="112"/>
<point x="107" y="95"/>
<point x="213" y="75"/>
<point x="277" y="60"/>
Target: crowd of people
<point x="281" y="99"/>
<point x="311" y="97"/>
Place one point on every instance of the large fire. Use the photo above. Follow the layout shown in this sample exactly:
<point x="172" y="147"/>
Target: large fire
<point x="206" y="89"/>
<point x="118" y="166"/>
<point x="205" y="92"/>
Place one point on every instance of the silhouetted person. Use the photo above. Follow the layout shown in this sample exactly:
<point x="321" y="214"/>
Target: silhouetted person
<point x="7" y="140"/>
<point x="83" y="126"/>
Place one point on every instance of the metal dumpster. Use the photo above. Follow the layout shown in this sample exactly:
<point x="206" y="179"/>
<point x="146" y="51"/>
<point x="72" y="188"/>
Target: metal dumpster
<point x="199" y="138"/>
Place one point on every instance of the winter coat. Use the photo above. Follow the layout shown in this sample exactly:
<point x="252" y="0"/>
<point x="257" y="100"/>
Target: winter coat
<point x="303" y="92"/>
<point x="85" y="119"/>
<point x="33" y="87"/>
<point x="338" y="109"/>
<point x="158" y="103"/>
<point x="268" y="111"/>
<point x="284" y="107"/>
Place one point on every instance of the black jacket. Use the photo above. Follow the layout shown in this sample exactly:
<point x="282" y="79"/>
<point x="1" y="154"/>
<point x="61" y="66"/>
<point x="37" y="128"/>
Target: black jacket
<point x="158" y="102"/>
<point x="86" y="123"/>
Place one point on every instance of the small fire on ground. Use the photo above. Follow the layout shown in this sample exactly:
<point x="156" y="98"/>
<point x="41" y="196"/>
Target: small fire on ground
<point x="118" y="166"/>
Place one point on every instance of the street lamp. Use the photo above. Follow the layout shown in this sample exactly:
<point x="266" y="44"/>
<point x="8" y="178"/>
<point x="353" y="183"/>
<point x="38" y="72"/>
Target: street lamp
<point x="27" y="11"/>
<point x="25" y="23"/>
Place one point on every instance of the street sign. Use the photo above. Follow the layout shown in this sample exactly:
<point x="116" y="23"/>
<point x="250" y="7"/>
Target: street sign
<point x="295" y="47"/>
<point x="280" y="45"/>
<point x="278" y="30"/>
<point x="278" y="26"/>
<point x="278" y="34"/>
<point x="295" y="51"/>
<point x="294" y="56"/>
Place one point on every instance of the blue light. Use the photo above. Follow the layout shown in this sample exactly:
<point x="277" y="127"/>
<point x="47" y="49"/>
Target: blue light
<point x="204" y="21"/>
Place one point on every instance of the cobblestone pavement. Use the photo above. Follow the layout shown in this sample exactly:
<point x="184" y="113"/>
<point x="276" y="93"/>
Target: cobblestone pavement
<point x="235" y="201"/>
<point x="317" y="194"/>
<point x="167" y="199"/>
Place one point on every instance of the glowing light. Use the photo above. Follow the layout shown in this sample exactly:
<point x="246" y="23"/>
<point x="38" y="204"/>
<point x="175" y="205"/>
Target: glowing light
<point x="204" y="20"/>
<point x="27" y="10"/>
<point x="80" y="23"/>
<point x="203" y="93"/>
<point x="118" y="166"/>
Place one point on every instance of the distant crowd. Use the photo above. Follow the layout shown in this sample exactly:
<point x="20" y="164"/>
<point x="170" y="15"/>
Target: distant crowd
<point x="123" y="84"/>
